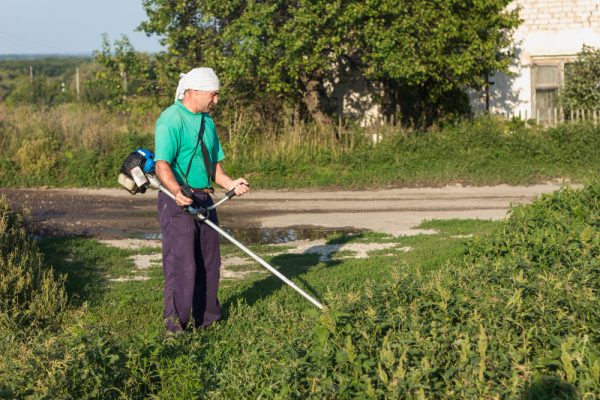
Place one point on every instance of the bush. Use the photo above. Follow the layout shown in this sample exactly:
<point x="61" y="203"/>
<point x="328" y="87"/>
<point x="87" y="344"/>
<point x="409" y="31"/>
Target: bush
<point x="582" y="81"/>
<point x="517" y="317"/>
<point x="520" y="309"/>
<point x="30" y="295"/>
<point x="37" y="156"/>
<point x="79" y="145"/>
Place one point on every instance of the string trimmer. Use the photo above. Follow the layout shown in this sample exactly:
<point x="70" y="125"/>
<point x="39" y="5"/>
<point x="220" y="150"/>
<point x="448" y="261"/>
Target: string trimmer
<point x="137" y="174"/>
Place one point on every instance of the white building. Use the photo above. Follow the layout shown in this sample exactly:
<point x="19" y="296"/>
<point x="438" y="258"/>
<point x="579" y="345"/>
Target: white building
<point x="551" y="35"/>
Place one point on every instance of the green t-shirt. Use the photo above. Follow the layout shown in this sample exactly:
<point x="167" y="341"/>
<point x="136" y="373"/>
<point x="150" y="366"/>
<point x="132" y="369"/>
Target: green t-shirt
<point x="175" y="137"/>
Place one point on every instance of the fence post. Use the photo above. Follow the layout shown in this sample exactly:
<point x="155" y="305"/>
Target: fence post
<point x="561" y="114"/>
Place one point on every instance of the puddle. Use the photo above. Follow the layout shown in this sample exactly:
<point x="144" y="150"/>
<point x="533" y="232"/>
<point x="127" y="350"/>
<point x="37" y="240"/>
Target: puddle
<point x="249" y="236"/>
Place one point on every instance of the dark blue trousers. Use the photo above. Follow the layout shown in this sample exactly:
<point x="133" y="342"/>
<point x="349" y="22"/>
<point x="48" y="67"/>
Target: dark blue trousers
<point x="191" y="265"/>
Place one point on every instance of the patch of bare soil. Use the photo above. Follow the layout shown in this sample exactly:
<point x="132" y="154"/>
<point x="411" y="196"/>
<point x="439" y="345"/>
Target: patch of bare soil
<point x="115" y="214"/>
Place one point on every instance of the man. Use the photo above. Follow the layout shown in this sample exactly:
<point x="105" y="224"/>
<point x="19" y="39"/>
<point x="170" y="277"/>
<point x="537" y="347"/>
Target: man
<point x="191" y="255"/>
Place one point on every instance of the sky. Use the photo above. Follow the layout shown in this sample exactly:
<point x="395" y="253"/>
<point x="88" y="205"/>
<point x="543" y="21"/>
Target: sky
<point x="70" y="26"/>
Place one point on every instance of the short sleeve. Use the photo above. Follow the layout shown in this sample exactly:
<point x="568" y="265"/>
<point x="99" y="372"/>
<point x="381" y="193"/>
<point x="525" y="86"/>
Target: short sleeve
<point x="216" y="151"/>
<point x="218" y="154"/>
<point x="165" y="142"/>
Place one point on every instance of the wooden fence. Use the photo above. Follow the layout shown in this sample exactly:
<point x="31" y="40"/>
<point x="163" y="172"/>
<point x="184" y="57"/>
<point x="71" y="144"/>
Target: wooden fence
<point x="556" y="115"/>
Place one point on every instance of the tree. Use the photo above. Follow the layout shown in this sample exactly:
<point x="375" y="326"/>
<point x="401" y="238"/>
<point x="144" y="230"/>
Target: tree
<point x="41" y="91"/>
<point x="582" y="81"/>
<point x="285" y="49"/>
<point x="426" y="52"/>
<point x="293" y="50"/>
<point x="124" y="73"/>
<point x="187" y="29"/>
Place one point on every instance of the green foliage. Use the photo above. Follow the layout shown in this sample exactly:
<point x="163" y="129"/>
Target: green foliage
<point x="81" y="362"/>
<point x="512" y="314"/>
<point x="51" y="67"/>
<point x="81" y="145"/>
<point x="30" y="295"/>
<point x="124" y="75"/>
<point x="53" y="80"/>
<point x="68" y="145"/>
<point x="582" y="81"/>
<point x="41" y="91"/>
<point x="117" y="77"/>
<point x="37" y="156"/>
<point x="481" y="151"/>
<point x="426" y="52"/>
<point x="293" y="51"/>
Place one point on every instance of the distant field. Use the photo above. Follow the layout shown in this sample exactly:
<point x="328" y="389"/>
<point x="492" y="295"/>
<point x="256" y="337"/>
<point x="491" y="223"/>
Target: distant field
<point x="17" y="71"/>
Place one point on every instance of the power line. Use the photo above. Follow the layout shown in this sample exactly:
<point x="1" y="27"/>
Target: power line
<point x="25" y="43"/>
<point x="11" y="47"/>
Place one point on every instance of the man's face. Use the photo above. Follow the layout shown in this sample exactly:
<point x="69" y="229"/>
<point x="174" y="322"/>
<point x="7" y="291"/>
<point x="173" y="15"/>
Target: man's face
<point x="205" y="100"/>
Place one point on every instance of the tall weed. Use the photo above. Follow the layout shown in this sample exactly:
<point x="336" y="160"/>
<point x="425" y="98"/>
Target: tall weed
<point x="79" y="145"/>
<point x="30" y="294"/>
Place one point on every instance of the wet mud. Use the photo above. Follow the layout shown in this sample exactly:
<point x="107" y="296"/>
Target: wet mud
<point x="268" y="216"/>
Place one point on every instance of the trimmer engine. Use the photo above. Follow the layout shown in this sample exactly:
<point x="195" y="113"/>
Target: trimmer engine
<point x="137" y="171"/>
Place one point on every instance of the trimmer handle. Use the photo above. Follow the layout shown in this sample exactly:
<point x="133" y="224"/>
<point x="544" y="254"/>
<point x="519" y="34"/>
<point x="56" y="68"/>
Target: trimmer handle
<point x="230" y="194"/>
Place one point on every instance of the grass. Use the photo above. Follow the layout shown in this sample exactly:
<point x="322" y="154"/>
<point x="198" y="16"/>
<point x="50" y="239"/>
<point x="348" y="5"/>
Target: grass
<point x="129" y="306"/>
<point x="79" y="145"/>
<point x="509" y="313"/>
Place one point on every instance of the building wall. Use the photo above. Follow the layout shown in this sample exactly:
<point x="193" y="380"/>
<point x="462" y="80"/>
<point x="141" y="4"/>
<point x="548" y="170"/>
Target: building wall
<point x="353" y="96"/>
<point x="551" y="30"/>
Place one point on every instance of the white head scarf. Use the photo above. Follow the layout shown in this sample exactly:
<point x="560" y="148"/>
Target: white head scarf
<point x="197" y="79"/>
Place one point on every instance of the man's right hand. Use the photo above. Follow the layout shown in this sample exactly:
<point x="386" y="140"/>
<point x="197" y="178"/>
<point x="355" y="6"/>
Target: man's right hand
<point x="165" y="174"/>
<point x="181" y="199"/>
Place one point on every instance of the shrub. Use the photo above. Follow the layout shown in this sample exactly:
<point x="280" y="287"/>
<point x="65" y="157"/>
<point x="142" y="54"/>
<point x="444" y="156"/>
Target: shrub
<point x="516" y="317"/>
<point x="520" y="309"/>
<point x="582" y="81"/>
<point x="30" y="294"/>
<point x="37" y="156"/>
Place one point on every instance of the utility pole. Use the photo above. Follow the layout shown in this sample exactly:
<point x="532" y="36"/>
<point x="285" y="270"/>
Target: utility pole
<point x="77" y="82"/>
<point x="32" y="93"/>
<point x="123" y="78"/>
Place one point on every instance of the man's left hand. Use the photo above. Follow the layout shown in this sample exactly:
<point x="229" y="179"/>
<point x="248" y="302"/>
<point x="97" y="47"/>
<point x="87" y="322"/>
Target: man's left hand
<point x="241" y="186"/>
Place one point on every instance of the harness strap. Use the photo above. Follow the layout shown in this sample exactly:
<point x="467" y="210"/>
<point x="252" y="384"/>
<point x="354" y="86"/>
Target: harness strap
<point x="205" y="157"/>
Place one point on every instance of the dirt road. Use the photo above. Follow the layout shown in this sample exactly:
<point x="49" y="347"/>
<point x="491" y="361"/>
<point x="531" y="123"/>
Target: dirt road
<point x="113" y="213"/>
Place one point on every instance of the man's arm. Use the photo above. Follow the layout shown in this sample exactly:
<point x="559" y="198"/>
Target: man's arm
<point x="166" y="177"/>
<point x="240" y="185"/>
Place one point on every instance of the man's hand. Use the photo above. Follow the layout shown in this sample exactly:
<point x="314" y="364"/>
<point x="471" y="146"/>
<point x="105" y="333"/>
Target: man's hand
<point x="165" y="174"/>
<point x="181" y="199"/>
<point x="241" y="186"/>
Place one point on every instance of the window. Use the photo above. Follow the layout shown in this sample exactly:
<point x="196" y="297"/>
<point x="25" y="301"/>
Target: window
<point x="546" y="84"/>
<point x="547" y="77"/>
